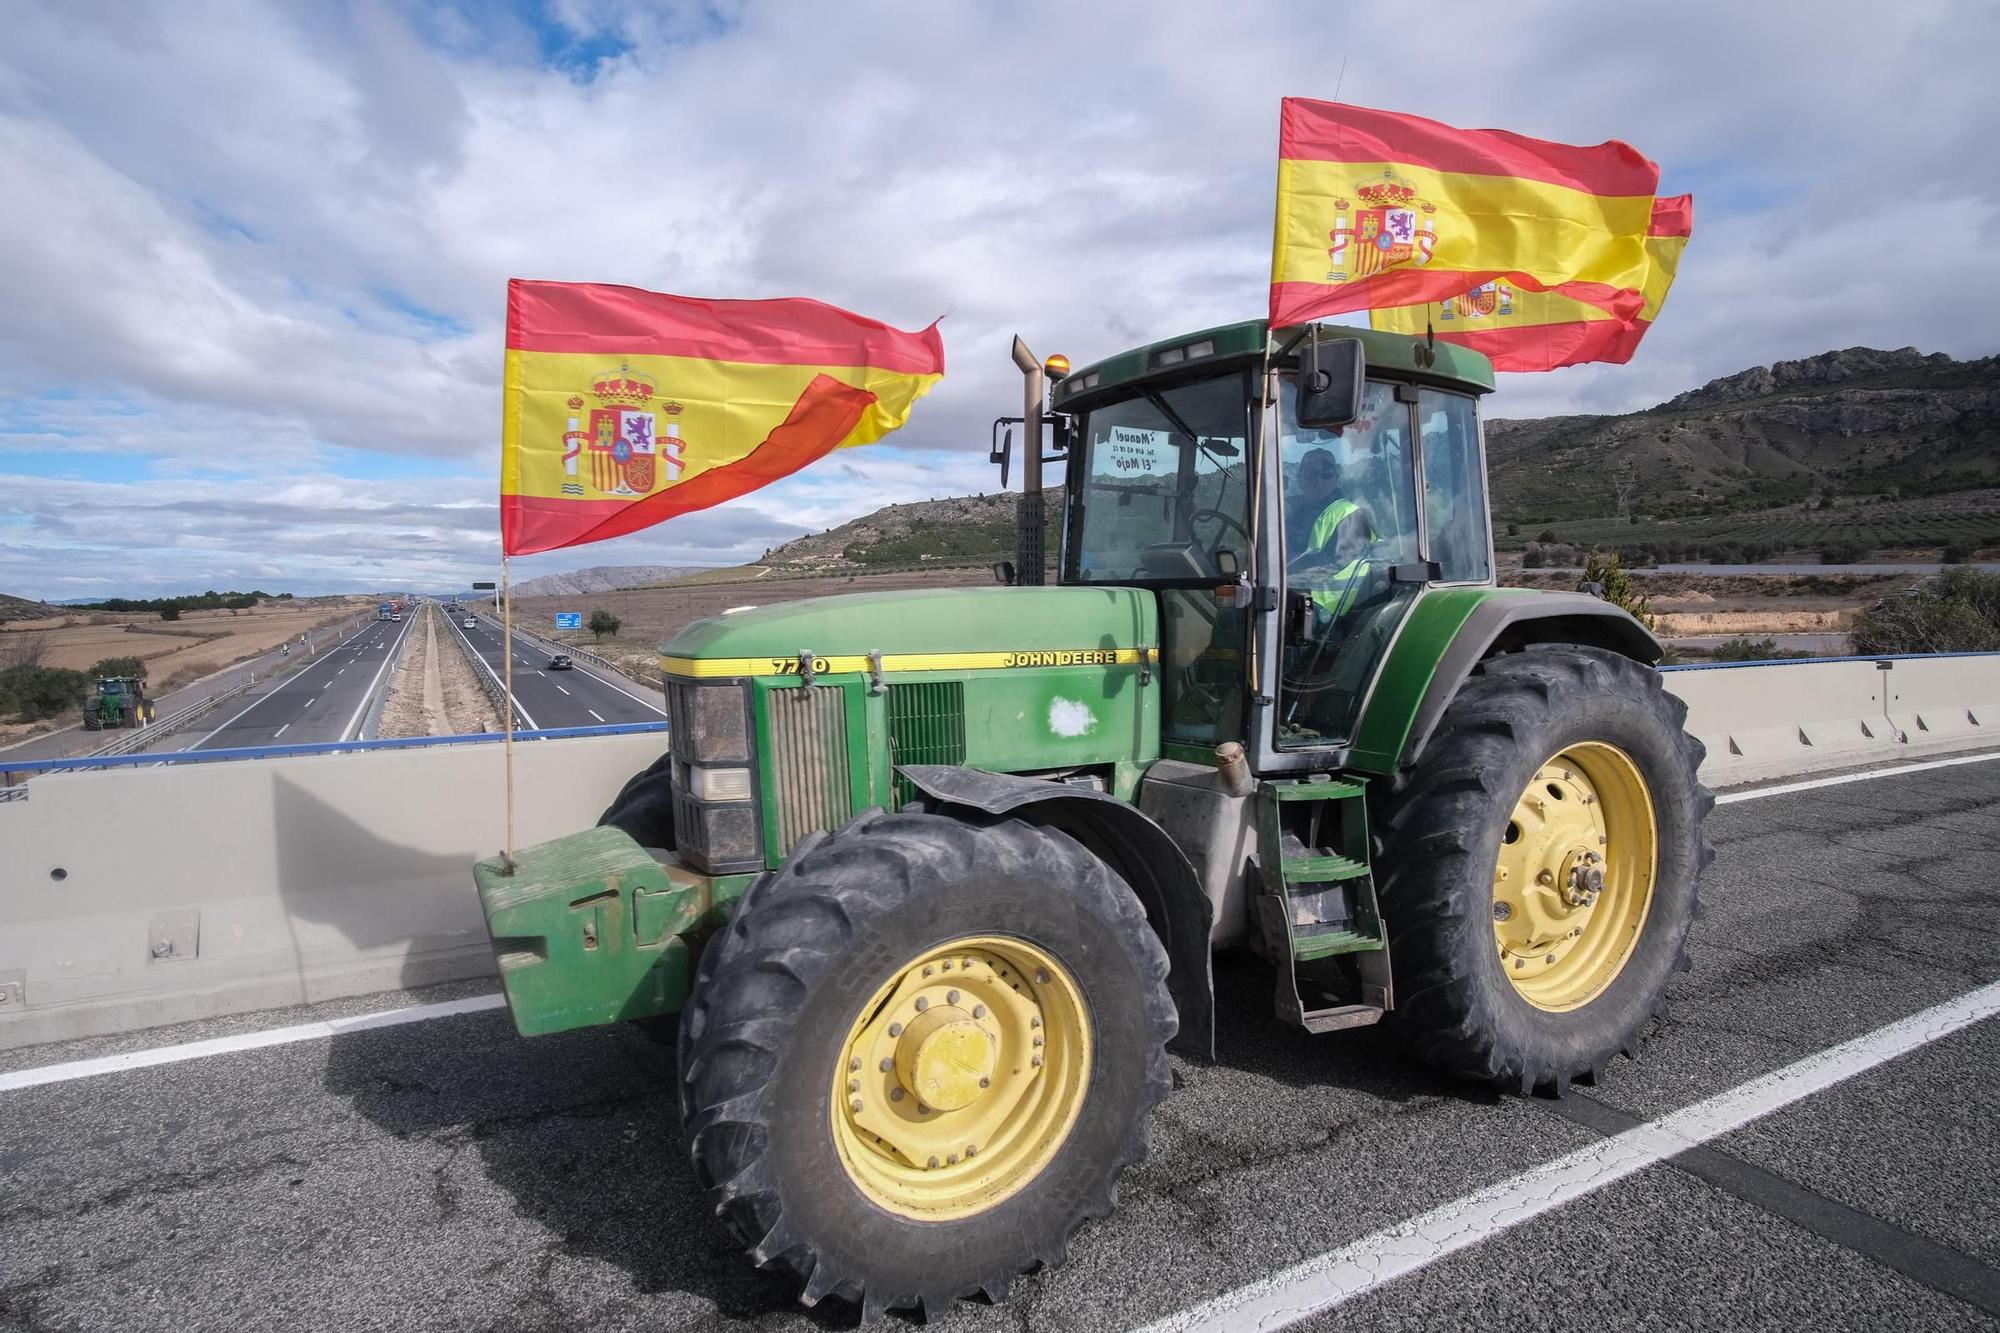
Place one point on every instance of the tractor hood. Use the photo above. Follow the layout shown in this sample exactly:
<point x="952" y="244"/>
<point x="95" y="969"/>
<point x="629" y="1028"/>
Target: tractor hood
<point x="929" y="629"/>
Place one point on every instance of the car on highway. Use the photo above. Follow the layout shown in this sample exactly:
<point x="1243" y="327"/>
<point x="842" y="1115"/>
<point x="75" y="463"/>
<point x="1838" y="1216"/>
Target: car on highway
<point x="470" y="623"/>
<point x="560" y="662"/>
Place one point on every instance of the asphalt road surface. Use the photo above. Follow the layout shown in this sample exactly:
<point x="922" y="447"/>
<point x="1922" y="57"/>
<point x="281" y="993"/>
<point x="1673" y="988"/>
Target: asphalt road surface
<point x="446" y="1174"/>
<point x="545" y="699"/>
<point x="325" y="700"/>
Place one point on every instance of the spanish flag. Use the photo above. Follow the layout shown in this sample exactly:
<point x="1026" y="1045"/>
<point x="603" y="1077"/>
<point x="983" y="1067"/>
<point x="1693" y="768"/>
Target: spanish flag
<point x="626" y="407"/>
<point x="1523" y="330"/>
<point x="1377" y="209"/>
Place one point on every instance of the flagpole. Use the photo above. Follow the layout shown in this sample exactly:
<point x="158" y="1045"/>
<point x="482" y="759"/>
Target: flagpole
<point x="507" y="704"/>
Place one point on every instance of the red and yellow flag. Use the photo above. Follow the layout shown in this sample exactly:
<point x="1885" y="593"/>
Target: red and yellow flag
<point x="1379" y="209"/>
<point x="1523" y="330"/>
<point x="626" y="407"/>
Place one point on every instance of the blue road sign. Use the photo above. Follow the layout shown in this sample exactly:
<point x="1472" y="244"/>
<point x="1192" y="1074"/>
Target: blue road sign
<point x="569" y="620"/>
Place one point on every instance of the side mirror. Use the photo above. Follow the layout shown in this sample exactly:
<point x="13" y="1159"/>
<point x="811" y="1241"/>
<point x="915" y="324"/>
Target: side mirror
<point x="1226" y="563"/>
<point x="1003" y="571"/>
<point x="1330" y="383"/>
<point x="1002" y="450"/>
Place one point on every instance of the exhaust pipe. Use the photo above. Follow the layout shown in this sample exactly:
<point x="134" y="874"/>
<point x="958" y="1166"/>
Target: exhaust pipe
<point x="1029" y="522"/>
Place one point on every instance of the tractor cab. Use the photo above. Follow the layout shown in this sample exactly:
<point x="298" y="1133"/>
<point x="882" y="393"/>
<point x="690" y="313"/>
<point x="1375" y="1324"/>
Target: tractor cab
<point x="1199" y="470"/>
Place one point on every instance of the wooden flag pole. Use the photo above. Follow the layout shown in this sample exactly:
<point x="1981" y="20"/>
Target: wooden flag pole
<point x="507" y="704"/>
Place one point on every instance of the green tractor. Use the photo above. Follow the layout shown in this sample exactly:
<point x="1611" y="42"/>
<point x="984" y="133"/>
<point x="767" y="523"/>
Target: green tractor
<point x="118" y="701"/>
<point x="932" y="879"/>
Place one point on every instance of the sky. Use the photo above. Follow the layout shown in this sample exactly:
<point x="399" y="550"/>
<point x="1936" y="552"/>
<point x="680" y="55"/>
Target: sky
<point x="253" y="256"/>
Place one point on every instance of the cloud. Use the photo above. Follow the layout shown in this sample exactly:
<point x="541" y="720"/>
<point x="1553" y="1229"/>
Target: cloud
<point x="246" y="243"/>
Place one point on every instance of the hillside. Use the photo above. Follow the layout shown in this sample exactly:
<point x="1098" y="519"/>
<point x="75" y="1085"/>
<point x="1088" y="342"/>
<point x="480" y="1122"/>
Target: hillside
<point x="969" y="530"/>
<point x="1880" y="449"/>
<point x="600" y="578"/>
<point x="20" y="608"/>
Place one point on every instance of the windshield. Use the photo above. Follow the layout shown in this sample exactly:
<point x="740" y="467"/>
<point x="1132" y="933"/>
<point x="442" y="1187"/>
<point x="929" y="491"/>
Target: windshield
<point x="1160" y="486"/>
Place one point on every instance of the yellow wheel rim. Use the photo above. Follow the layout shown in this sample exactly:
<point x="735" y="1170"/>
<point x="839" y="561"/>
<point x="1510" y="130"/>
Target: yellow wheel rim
<point x="1574" y="879"/>
<point x="961" y="1078"/>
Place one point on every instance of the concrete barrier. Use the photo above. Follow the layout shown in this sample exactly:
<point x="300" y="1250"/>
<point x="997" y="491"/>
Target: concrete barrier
<point x="147" y="895"/>
<point x="143" y="895"/>
<point x="1772" y="719"/>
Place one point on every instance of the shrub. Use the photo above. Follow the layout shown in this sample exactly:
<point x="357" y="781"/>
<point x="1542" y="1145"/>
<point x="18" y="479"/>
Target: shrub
<point x="1546" y="535"/>
<point x="1741" y="649"/>
<point x="1955" y="611"/>
<point x="170" y="613"/>
<point x="1843" y="553"/>
<point x="1960" y="552"/>
<point x="602" y="622"/>
<point x="36" y="692"/>
<point x="1614" y="584"/>
<point x="120" y="666"/>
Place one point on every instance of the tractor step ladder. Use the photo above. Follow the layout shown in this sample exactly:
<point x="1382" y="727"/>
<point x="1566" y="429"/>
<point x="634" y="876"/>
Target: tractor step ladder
<point x="1321" y="902"/>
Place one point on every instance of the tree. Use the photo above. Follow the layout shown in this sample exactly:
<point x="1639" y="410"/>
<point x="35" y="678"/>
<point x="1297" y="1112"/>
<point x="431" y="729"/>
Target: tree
<point x="120" y="666"/>
<point x="602" y="622"/>
<point x="1960" y="552"/>
<point x="23" y="650"/>
<point x="170" y="613"/>
<point x="1605" y="575"/>
<point x="1955" y="611"/>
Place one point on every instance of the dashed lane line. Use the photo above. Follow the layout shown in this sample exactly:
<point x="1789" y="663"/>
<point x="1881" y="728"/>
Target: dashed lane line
<point x="1339" y="1276"/>
<point x="592" y="711"/>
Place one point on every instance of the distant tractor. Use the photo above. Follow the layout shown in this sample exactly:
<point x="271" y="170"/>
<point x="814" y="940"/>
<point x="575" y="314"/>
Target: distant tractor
<point x="932" y="878"/>
<point x="118" y="701"/>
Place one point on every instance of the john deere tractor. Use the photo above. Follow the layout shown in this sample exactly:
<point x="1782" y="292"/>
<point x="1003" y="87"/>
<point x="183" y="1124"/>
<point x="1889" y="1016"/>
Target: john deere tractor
<point x="928" y="881"/>
<point x="118" y="701"/>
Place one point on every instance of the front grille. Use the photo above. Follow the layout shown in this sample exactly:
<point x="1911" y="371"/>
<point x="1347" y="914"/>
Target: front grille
<point x="808" y="761"/>
<point x="926" y="726"/>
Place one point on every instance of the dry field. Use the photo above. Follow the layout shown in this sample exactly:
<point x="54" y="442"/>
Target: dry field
<point x="651" y="614"/>
<point x="176" y="652"/>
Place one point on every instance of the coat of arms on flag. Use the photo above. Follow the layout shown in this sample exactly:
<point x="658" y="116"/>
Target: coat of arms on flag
<point x="622" y="449"/>
<point x="1392" y="226"/>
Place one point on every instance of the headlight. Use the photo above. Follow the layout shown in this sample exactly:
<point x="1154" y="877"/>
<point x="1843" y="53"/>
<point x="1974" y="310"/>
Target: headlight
<point x="716" y="829"/>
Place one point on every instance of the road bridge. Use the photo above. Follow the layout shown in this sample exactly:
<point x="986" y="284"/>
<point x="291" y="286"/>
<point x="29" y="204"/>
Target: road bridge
<point x="437" y="1171"/>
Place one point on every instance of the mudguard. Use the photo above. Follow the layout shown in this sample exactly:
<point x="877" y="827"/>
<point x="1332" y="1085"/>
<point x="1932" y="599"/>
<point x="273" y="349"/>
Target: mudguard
<point x="1131" y="844"/>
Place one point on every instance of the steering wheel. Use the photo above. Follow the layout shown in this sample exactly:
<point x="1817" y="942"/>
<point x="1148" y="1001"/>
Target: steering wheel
<point x="1358" y="593"/>
<point x="1227" y="521"/>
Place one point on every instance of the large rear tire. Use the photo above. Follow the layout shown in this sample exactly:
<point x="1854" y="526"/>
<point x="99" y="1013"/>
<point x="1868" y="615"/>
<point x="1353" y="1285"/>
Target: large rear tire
<point x="1541" y="862"/>
<point x="920" y="1054"/>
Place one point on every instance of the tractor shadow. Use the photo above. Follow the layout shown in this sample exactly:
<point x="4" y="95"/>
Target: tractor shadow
<point x="580" y="1135"/>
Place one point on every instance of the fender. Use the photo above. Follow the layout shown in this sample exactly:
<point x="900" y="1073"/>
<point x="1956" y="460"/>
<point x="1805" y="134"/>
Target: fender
<point x="1509" y="624"/>
<point x="1127" y="841"/>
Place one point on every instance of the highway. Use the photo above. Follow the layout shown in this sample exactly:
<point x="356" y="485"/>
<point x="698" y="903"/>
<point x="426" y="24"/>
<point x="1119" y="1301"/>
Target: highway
<point x="435" y="1171"/>
<point x="544" y="698"/>
<point x="326" y="700"/>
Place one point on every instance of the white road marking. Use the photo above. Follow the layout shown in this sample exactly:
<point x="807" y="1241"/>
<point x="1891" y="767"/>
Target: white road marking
<point x="561" y="688"/>
<point x="354" y="723"/>
<point x="481" y="657"/>
<point x="592" y="711"/>
<point x="281" y="731"/>
<point x="1845" y="778"/>
<point x="1339" y="1276"/>
<point x="244" y="1041"/>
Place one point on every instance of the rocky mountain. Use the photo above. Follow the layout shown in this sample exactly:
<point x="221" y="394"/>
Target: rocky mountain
<point x="600" y="578"/>
<point x="1860" y="424"/>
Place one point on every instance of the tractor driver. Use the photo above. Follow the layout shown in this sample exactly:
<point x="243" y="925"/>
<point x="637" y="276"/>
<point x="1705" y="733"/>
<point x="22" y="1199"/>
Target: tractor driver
<point x="1328" y="529"/>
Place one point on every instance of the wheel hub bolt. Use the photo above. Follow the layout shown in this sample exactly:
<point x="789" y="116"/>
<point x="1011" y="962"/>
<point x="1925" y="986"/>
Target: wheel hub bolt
<point x="922" y="1004"/>
<point x="1036" y="1062"/>
<point x="979" y="1011"/>
<point x="950" y="996"/>
<point x="932" y="1164"/>
<point x="855" y="1106"/>
<point x="895" y="1029"/>
<point x="888" y="1065"/>
<point x="895" y="1094"/>
<point x="985" y="1082"/>
<point x="1546" y="878"/>
<point x="1041" y="976"/>
<point x="854" y="1065"/>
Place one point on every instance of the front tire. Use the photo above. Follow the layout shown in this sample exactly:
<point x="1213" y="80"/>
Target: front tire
<point x="1541" y="865"/>
<point x="997" y="969"/>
